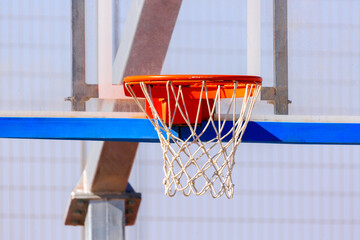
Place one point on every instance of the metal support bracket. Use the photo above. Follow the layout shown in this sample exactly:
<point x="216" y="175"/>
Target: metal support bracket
<point x="269" y="94"/>
<point x="81" y="92"/>
<point x="80" y="199"/>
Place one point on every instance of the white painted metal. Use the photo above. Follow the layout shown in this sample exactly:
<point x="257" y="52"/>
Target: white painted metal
<point x="254" y="37"/>
<point x="257" y="118"/>
<point x="305" y="118"/>
<point x="127" y="41"/>
<point x="104" y="46"/>
<point x="108" y="87"/>
<point x="54" y="114"/>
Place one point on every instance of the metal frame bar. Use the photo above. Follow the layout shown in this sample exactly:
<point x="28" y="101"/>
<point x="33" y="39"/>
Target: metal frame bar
<point x="105" y="46"/>
<point x="254" y="37"/>
<point x="81" y="91"/>
<point x="105" y="220"/>
<point x="278" y="94"/>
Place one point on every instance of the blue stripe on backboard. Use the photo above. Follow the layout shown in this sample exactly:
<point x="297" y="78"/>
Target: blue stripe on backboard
<point x="99" y="129"/>
<point x="141" y="130"/>
<point x="292" y="132"/>
<point x="303" y="133"/>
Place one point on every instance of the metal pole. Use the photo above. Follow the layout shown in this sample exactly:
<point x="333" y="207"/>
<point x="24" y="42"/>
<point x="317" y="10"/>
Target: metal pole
<point x="254" y="37"/>
<point x="105" y="219"/>
<point x="281" y="56"/>
<point x="78" y="52"/>
<point x="81" y="91"/>
<point x="278" y="94"/>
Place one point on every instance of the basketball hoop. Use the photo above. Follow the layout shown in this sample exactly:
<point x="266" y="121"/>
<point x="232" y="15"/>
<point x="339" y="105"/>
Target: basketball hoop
<point x="192" y="165"/>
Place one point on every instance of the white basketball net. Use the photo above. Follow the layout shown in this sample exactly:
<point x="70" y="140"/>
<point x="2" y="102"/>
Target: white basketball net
<point x="192" y="165"/>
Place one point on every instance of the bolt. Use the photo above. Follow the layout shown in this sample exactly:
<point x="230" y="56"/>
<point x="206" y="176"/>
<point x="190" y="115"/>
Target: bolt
<point x="131" y="202"/>
<point x="80" y="203"/>
<point x="78" y="212"/>
<point x="75" y="222"/>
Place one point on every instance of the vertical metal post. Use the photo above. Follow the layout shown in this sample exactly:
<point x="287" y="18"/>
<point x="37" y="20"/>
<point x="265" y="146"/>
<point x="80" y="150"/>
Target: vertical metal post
<point x="254" y="37"/>
<point x="116" y="27"/>
<point x="105" y="220"/>
<point x="104" y="41"/>
<point x="278" y="94"/>
<point x="81" y="91"/>
<point x="78" y="52"/>
<point x="78" y="61"/>
<point x="281" y="56"/>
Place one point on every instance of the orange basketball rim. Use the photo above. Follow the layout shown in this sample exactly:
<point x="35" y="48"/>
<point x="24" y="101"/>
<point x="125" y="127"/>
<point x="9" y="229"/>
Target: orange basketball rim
<point x="164" y="89"/>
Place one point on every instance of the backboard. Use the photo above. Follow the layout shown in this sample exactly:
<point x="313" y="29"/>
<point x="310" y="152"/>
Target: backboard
<point x="282" y="190"/>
